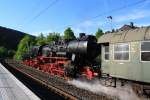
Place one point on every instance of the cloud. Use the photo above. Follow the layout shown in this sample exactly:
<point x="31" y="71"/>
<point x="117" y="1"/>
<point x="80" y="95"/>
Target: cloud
<point x="143" y="24"/>
<point x="83" y="27"/>
<point x="44" y="32"/>
<point x="85" y="24"/>
<point x="145" y="4"/>
<point x="89" y="27"/>
<point x="135" y="14"/>
<point x="77" y="30"/>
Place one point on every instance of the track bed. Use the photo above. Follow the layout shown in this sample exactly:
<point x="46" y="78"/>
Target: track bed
<point x="56" y="84"/>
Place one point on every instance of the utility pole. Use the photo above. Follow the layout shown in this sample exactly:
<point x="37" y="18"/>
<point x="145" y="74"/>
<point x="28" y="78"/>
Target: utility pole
<point x="110" y="18"/>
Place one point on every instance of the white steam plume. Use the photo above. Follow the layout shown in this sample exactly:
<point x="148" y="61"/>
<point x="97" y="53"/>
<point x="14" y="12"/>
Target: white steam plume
<point x="123" y="93"/>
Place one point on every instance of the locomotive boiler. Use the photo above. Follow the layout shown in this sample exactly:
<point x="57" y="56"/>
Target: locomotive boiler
<point x="73" y="58"/>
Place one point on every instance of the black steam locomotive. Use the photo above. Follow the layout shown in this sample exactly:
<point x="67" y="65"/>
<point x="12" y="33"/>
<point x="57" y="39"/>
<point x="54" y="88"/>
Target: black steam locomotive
<point x="73" y="58"/>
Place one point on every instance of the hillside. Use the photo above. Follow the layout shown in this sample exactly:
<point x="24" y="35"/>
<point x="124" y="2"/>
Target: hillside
<point x="9" y="38"/>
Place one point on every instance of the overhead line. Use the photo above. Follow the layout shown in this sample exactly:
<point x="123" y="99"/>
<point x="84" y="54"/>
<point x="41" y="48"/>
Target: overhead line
<point x="41" y="12"/>
<point x="120" y="8"/>
<point x="32" y="10"/>
<point x="110" y="11"/>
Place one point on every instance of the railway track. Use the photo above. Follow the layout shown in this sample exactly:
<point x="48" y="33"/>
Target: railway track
<point x="56" y="84"/>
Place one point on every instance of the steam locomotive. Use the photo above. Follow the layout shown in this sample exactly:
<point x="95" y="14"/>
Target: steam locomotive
<point x="66" y="58"/>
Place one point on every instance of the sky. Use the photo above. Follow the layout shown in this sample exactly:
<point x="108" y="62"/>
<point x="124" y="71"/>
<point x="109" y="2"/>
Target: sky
<point x="46" y="16"/>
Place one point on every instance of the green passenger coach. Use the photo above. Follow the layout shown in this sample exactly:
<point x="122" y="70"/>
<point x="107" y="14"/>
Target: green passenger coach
<point x="126" y="53"/>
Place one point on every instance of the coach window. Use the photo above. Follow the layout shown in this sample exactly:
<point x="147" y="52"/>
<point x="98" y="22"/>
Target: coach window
<point x="145" y="51"/>
<point x="106" y="52"/>
<point x="121" y="51"/>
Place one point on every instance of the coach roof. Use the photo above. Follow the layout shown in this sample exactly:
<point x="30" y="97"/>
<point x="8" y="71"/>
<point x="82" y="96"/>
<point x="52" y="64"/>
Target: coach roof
<point x="135" y="34"/>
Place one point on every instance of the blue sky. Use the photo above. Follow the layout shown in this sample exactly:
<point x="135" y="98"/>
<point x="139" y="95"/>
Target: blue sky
<point x="77" y="14"/>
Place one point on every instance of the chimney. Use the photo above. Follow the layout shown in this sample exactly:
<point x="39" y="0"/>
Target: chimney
<point x="132" y="24"/>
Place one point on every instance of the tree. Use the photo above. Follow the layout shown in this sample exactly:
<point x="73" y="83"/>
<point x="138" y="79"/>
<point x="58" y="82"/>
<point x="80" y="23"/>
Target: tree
<point x="24" y="45"/>
<point x="40" y="40"/>
<point x="3" y="52"/>
<point x="11" y="53"/>
<point x="53" y="37"/>
<point x="99" y="33"/>
<point x="68" y="34"/>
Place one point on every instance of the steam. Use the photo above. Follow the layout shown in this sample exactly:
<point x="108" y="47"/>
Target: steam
<point x="123" y="93"/>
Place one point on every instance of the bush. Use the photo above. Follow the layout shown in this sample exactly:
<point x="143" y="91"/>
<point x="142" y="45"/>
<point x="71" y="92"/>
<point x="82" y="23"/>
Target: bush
<point x="25" y="44"/>
<point x="3" y="52"/>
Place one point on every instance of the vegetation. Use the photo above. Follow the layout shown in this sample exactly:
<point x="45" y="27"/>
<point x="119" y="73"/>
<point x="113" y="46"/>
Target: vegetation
<point x="68" y="34"/>
<point x="11" y="53"/>
<point x="3" y="52"/>
<point x="29" y="41"/>
<point x="53" y="37"/>
<point x="10" y="38"/>
<point x="98" y="33"/>
<point x="24" y="46"/>
<point x="40" y="40"/>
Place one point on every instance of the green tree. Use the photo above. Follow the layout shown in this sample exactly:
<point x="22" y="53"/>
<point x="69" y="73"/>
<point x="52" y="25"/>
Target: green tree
<point x="99" y="33"/>
<point x="11" y="53"/>
<point x="68" y="34"/>
<point x="53" y="37"/>
<point x="40" y="40"/>
<point x="3" y="52"/>
<point x="24" y="45"/>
